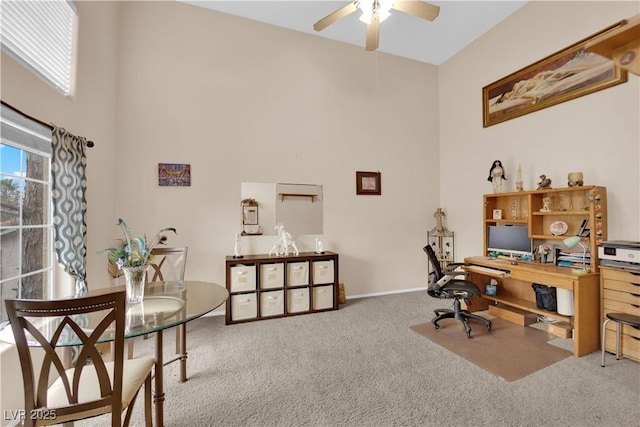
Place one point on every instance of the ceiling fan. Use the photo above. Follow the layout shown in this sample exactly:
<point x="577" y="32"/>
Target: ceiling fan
<point x="376" y="11"/>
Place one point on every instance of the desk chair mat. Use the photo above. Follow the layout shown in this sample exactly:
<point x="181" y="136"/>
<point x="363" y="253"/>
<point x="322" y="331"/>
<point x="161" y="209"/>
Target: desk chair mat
<point x="509" y="351"/>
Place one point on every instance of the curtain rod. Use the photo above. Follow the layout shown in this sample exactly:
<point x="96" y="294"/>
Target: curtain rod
<point x="47" y="125"/>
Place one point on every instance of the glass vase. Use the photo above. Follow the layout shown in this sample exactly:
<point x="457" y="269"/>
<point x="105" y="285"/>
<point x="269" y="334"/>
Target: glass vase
<point x="135" y="280"/>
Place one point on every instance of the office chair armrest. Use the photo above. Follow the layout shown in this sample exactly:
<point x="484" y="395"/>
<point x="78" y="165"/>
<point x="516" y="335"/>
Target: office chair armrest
<point x="455" y="273"/>
<point x="452" y="266"/>
<point x="455" y="264"/>
<point x="449" y="277"/>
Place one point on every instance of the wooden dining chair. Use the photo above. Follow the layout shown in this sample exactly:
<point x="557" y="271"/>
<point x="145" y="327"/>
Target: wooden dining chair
<point x="169" y="264"/>
<point x="94" y="386"/>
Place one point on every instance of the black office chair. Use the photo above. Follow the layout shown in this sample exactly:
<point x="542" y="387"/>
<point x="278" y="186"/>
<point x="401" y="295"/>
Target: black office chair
<point x="444" y="285"/>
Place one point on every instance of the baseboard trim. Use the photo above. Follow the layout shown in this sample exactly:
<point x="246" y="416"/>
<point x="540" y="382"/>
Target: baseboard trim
<point x="215" y="313"/>
<point x="379" y="294"/>
<point x="376" y="294"/>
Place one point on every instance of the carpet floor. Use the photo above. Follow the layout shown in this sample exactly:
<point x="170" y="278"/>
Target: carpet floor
<point x="363" y="365"/>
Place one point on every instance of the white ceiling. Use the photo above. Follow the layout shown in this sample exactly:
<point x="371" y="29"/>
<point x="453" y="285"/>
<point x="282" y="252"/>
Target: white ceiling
<point x="433" y="42"/>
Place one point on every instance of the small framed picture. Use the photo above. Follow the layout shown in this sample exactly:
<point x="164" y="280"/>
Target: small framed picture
<point x="250" y="215"/>
<point x="368" y="183"/>
<point x="174" y="175"/>
<point x="497" y="214"/>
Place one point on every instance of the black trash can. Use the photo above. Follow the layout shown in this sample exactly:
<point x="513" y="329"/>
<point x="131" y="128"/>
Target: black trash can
<point x="545" y="297"/>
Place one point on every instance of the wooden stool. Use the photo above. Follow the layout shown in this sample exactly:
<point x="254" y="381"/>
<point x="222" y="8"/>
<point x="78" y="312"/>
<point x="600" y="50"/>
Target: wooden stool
<point x="619" y="318"/>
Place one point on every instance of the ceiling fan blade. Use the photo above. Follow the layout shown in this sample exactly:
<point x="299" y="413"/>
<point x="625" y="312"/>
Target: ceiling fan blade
<point x="373" y="33"/>
<point x="336" y="16"/>
<point x="417" y="8"/>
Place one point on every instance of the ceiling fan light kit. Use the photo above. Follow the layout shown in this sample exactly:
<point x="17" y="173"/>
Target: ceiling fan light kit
<point x="376" y="11"/>
<point x="370" y="7"/>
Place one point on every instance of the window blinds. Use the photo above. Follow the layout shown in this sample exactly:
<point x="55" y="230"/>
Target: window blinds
<point x="39" y="34"/>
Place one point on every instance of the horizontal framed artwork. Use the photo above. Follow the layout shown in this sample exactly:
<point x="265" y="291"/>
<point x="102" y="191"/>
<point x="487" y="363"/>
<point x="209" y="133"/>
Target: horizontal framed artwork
<point x="562" y="76"/>
<point x="368" y="183"/>
<point x="174" y="175"/>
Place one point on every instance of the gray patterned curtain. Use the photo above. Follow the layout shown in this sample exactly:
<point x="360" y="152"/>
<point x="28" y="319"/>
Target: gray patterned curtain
<point x="68" y="165"/>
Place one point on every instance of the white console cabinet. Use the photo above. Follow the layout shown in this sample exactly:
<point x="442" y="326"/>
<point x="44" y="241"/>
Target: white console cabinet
<point x="265" y="287"/>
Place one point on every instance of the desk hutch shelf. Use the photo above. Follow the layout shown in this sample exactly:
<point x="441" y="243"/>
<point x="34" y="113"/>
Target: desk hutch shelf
<point x="571" y="205"/>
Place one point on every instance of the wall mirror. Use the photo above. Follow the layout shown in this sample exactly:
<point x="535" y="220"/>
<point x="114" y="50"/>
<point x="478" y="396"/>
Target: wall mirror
<point x="297" y="206"/>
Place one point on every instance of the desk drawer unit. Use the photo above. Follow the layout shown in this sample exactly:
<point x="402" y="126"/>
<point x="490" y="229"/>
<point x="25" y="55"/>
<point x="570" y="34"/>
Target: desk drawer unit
<point x="621" y="294"/>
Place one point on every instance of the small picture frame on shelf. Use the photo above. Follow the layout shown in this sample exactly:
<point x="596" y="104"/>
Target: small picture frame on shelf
<point x="551" y="257"/>
<point x="497" y="214"/>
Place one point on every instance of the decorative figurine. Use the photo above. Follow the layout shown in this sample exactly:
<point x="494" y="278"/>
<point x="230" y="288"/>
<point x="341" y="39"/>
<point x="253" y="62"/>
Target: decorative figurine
<point x="281" y="247"/>
<point x="519" y="186"/>
<point x="545" y="183"/>
<point x="438" y="215"/>
<point x="319" y="246"/>
<point x="496" y="175"/>
<point x="237" y="247"/>
<point x="575" y="179"/>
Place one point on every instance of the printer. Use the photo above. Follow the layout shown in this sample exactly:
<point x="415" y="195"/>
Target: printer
<point x="624" y="254"/>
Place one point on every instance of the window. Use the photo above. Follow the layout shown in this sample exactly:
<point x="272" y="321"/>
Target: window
<point x="40" y="35"/>
<point x="26" y="229"/>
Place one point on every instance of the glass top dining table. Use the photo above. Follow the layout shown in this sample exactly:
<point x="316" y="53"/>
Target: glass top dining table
<point x="165" y="305"/>
<point x="169" y="304"/>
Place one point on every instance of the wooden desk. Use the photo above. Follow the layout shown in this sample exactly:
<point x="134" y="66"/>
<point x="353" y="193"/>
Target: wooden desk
<point x="515" y="291"/>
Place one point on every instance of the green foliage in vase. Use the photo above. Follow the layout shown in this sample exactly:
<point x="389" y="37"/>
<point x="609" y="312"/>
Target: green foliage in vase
<point x="134" y="251"/>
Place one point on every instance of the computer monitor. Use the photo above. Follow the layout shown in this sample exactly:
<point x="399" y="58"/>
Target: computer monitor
<point x="509" y="240"/>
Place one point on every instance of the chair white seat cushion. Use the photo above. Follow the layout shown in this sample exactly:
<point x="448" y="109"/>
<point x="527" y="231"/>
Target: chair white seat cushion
<point x="135" y="372"/>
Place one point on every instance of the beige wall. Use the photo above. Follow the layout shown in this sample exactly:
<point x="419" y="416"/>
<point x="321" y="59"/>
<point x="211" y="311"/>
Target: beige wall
<point x="244" y="101"/>
<point x="598" y="134"/>
<point x="90" y="112"/>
